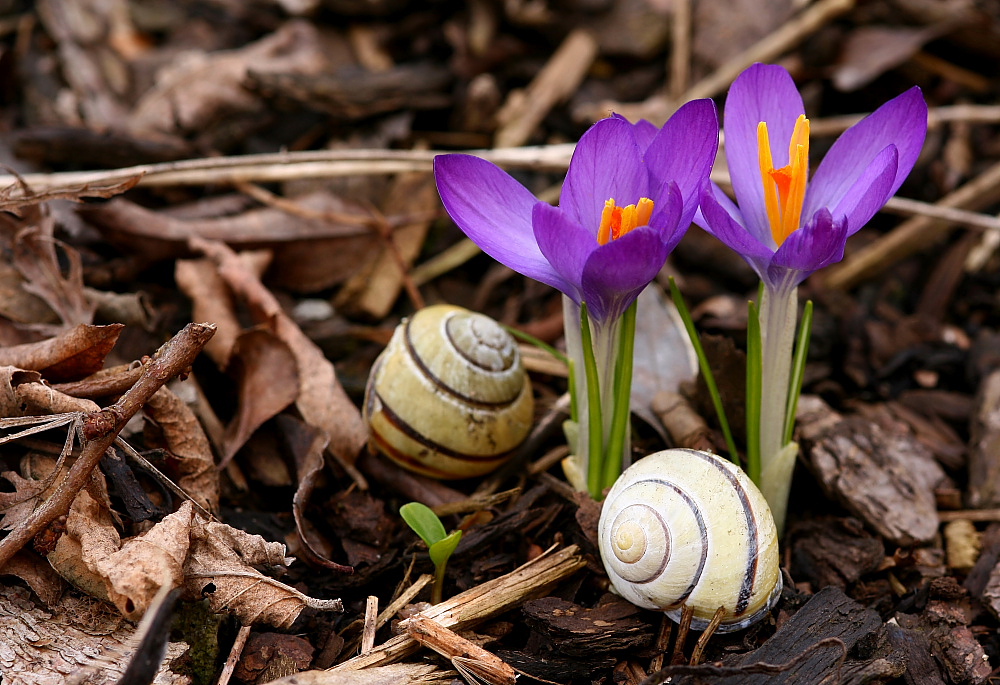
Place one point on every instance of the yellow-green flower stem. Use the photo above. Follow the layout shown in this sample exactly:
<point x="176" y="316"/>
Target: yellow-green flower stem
<point x="595" y="423"/>
<point x="537" y="342"/>
<point x="706" y="370"/>
<point x="798" y="369"/>
<point x="600" y="359"/>
<point x="437" y="591"/>
<point x="618" y="441"/>
<point x="778" y="314"/>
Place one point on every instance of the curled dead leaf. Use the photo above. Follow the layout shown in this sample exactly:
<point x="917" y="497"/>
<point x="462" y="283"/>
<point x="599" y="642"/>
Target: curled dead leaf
<point x="75" y="353"/>
<point x="221" y="567"/>
<point x="187" y="443"/>
<point x="268" y="382"/>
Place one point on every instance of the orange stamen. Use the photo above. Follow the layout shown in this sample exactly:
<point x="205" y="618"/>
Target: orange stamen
<point x="784" y="188"/>
<point x="617" y="221"/>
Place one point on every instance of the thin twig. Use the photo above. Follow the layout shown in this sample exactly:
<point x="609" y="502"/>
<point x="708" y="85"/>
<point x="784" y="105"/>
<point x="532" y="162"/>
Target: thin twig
<point x="234" y="655"/>
<point x="914" y="234"/>
<point x="680" y="52"/>
<point x="287" y="166"/>
<point x="101" y="428"/>
<point x="775" y="44"/>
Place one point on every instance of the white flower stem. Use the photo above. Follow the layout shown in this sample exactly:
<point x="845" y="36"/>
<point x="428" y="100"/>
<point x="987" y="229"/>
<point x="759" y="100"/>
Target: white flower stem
<point x="778" y="314"/>
<point x="575" y="465"/>
<point x="586" y="467"/>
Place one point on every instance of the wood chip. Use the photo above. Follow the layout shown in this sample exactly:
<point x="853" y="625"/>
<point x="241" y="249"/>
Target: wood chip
<point x="466" y="656"/>
<point x="479" y="603"/>
<point x="885" y="478"/>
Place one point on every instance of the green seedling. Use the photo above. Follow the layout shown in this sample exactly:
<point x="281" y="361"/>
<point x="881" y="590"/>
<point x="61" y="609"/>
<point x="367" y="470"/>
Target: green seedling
<point x="440" y="544"/>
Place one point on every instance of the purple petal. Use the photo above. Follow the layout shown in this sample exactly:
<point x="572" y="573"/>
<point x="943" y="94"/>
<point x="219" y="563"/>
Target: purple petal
<point x="494" y="210"/>
<point x="870" y="192"/>
<point x="666" y="219"/>
<point x="644" y="132"/>
<point x="817" y="244"/>
<point x="763" y="92"/>
<point x="565" y="244"/>
<point x="719" y="195"/>
<point x="901" y="122"/>
<point x="684" y="151"/>
<point x="727" y="229"/>
<point x="616" y="273"/>
<point x="607" y="164"/>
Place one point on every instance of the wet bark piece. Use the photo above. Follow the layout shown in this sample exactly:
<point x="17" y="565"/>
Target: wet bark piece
<point x="951" y="642"/>
<point x="268" y="656"/>
<point x="834" y="552"/>
<point x="612" y="626"/>
<point x="921" y="669"/>
<point x="886" y="479"/>
<point x="555" y="668"/>
<point x="828" y="614"/>
<point x="984" y="445"/>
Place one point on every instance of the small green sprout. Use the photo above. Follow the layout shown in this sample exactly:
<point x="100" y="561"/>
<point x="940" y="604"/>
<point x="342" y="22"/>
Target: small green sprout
<point x="440" y="544"/>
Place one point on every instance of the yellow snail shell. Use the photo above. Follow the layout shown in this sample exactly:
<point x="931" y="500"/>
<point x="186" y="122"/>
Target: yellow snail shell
<point x="687" y="528"/>
<point x="449" y="397"/>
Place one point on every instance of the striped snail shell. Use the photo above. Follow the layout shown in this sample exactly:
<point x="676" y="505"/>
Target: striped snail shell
<point x="687" y="528"/>
<point x="448" y="397"/>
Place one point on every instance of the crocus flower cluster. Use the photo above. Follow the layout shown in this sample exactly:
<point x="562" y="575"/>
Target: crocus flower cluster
<point x="630" y="193"/>
<point x="787" y="226"/>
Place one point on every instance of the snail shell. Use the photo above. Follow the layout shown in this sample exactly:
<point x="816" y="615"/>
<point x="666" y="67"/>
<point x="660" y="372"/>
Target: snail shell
<point x="448" y="397"/>
<point x="687" y="528"/>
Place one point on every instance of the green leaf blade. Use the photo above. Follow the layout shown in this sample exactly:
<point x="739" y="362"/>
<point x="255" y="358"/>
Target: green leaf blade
<point x="424" y="522"/>
<point x="441" y="550"/>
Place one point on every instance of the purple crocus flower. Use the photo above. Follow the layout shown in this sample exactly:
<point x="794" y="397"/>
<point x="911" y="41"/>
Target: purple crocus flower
<point x="630" y="193"/>
<point x="783" y="224"/>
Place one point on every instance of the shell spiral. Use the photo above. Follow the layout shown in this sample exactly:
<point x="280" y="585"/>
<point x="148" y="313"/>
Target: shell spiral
<point x="449" y="397"/>
<point x="687" y="528"/>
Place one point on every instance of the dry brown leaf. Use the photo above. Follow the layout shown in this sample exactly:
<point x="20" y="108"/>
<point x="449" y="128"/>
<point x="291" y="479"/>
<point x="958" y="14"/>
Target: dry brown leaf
<point x="40" y="257"/>
<point x="211" y="300"/>
<point x="38" y="574"/>
<point x="307" y="446"/>
<point x="320" y="241"/>
<point x="19" y="305"/>
<point x="133" y="571"/>
<point x="722" y="30"/>
<point x="38" y="398"/>
<point x="137" y="571"/>
<point x="322" y="401"/>
<point x="870" y="51"/>
<point x="267" y="376"/>
<point x="197" y="89"/>
<point x="187" y="443"/>
<point x="373" y="291"/>
<point x="16" y="196"/>
<point x="11" y="377"/>
<point x="206" y="559"/>
<point x="37" y="480"/>
<point x="75" y="353"/>
<point x="221" y="567"/>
